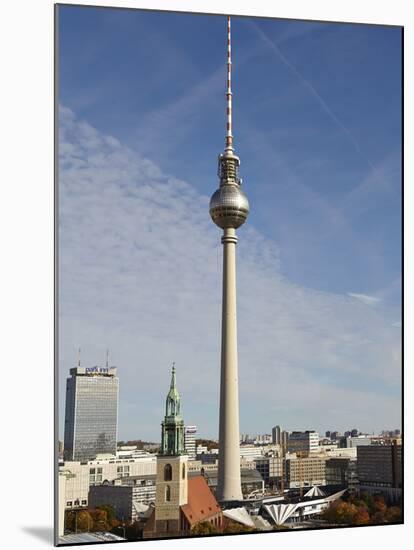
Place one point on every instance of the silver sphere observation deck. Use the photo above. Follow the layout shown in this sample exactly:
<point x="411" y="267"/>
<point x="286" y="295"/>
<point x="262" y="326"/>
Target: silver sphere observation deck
<point x="229" y="206"/>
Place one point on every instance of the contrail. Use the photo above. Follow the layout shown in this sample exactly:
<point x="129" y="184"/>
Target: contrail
<point x="315" y="94"/>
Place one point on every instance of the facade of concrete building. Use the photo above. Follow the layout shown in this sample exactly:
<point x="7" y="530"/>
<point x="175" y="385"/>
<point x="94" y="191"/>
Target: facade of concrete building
<point x="262" y="439"/>
<point x="342" y="472"/>
<point x="277" y="435"/>
<point x="270" y="468"/>
<point x="144" y="487"/>
<point x="349" y="441"/>
<point x="251" y="480"/>
<point x="305" y="472"/>
<point x="81" y="475"/>
<point x="380" y="469"/>
<point x="91" y="414"/>
<point x="250" y="452"/>
<point x="284" y="441"/>
<point x="305" y="442"/>
<point x="124" y="498"/>
<point x="201" y="466"/>
<point x="190" y="434"/>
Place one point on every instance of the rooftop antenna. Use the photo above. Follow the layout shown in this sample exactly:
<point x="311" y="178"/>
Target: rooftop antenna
<point x="107" y="358"/>
<point x="79" y="357"/>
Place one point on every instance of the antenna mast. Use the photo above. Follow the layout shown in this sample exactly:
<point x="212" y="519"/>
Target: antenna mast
<point x="229" y="93"/>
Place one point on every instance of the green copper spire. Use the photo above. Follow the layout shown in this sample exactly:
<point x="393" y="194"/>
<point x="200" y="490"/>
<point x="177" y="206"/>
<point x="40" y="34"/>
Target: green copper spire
<point x="172" y="435"/>
<point x="173" y="403"/>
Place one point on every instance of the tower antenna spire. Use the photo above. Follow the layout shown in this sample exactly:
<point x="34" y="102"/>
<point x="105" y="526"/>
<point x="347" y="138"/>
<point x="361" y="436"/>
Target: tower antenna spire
<point x="229" y="93"/>
<point x="107" y="358"/>
<point x="79" y="357"/>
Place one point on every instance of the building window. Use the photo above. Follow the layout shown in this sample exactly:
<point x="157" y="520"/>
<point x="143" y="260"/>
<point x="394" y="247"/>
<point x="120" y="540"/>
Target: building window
<point x="183" y="471"/>
<point x="69" y="503"/>
<point x="84" y="502"/>
<point x="167" y="472"/>
<point x="168" y="494"/>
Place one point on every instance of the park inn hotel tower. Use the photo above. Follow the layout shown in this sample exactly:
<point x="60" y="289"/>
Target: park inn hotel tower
<point x="91" y="416"/>
<point x="229" y="209"/>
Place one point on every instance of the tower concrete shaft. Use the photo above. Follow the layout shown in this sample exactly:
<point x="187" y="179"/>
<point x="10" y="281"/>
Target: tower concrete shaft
<point x="229" y="209"/>
<point x="229" y="480"/>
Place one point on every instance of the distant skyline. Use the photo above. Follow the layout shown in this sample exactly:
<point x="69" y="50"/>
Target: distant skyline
<point x="317" y="125"/>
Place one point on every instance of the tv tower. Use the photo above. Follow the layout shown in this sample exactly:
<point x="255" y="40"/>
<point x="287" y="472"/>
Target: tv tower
<point x="229" y="209"/>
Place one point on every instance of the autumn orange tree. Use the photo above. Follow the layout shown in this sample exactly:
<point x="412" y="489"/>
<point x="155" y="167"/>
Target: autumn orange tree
<point x="204" y="528"/>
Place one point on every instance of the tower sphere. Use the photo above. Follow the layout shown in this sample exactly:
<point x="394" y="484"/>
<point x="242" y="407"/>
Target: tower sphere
<point x="229" y="206"/>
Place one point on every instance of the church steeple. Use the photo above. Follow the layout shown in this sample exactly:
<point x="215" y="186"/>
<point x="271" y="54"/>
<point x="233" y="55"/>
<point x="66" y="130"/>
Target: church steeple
<point x="172" y="435"/>
<point x="173" y="403"/>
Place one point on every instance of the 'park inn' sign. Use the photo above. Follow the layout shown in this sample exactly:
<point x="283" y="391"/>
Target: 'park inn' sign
<point x="97" y="370"/>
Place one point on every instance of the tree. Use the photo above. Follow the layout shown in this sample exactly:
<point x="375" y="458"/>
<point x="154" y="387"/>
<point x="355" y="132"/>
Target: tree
<point x="110" y="512"/>
<point x="79" y="521"/>
<point x="204" y="528"/>
<point x="379" y="504"/>
<point x="84" y="521"/>
<point x="340" y="512"/>
<point x="362" y="516"/>
<point x="369" y="501"/>
<point x="393" y="514"/>
<point x="100" y="520"/>
<point x="237" y="528"/>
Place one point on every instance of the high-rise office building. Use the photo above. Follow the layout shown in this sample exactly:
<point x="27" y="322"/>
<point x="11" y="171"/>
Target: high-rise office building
<point x="91" y="417"/>
<point x="307" y="442"/>
<point x="277" y="435"/>
<point x="190" y="434"/>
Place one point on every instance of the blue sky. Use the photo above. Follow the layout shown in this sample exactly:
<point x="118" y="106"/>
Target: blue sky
<point x="317" y="126"/>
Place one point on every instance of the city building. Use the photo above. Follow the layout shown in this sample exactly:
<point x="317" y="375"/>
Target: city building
<point x="250" y="480"/>
<point x="262" y="439"/>
<point x="342" y="472"/>
<point x="251" y="452"/>
<point x="305" y="472"/>
<point x="229" y="209"/>
<point x="81" y="475"/>
<point x="380" y="469"/>
<point x="277" y="435"/>
<point x="284" y="442"/>
<point x="305" y="442"/>
<point x="271" y="469"/>
<point x="350" y="441"/>
<point x="91" y="416"/>
<point x="130" y="498"/>
<point x="190" y="434"/>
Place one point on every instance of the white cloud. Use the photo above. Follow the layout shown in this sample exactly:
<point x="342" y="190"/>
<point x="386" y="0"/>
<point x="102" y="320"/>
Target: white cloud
<point x="369" y="300"/>
<point x="140" y="273"/>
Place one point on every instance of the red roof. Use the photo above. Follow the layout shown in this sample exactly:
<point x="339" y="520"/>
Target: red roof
<point x="201" y="504"/>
